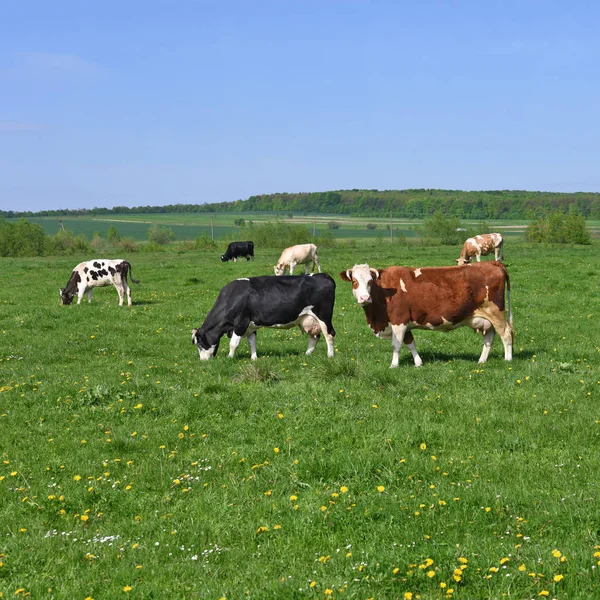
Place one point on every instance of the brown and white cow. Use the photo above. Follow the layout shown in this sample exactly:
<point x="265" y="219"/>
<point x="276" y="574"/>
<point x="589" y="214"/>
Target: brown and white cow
<point x="485" y="244"/>
<point x="397" y="300"/>
<point x="302" y="254"/>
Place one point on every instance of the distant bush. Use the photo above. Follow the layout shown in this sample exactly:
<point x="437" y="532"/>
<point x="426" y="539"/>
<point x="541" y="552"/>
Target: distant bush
<point x="128" y="244"/>
<point x="559" y="228"/>
<point x="160" y="235"/>
<point x="443" y="230"/>
<point x="326" y="240"/>
<point x="21" y="238"/>
<point x="277" y="235"/>
<point x="239" y="222"/>
<point x="112" y="235"/>
<point x="333" y="224"/>
<point x="205" y="242"/>
<point x="371" y="226"/>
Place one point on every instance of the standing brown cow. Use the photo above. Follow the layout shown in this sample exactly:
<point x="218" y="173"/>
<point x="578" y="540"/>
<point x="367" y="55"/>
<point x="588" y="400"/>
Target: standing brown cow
<point x="397" y="300"/>
<point x="485" y="244"/>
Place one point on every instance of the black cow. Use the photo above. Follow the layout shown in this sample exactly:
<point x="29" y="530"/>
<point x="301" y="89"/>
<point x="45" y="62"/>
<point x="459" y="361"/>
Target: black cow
<point x="247" y="304"/>
<point x="236" y="249"/>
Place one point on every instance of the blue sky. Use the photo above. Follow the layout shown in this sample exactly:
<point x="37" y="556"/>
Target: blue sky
<point x="163" y="102"/>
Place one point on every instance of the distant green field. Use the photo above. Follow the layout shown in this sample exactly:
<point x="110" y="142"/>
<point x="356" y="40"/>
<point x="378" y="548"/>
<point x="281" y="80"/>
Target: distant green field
<point x="188" y="226"/>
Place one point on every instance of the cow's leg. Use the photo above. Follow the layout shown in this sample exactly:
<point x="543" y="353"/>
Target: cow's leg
<point x="504" y="330"/>
<point x="329" y="338"/>
<point x="307" y="268"/>
<point x="488" y="340"/>
<point x="316" y="262"/>
<point x="120" y="290"/>
<point x="128" y="292"/>
<point x="409" y="342"/>
<point x="398" y="333"/>
<point x="478" y="257"/>
<point x="234" y="259"/>
<point x="292" y="265"/>
<point x="234" y="343"/>
<point x="81" y="292"/>
<point x="312" y="342"/>
<point x="252" y="344"/>
<point x="89" y="295"/>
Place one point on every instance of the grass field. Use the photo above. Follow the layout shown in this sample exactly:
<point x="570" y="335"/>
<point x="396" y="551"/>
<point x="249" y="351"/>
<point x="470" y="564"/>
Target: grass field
<point x="132" y="470"/>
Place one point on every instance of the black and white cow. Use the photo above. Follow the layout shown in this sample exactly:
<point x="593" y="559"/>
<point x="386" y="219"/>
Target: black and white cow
<point x="98" y="273"/>
<point x="245" y="305"/>
<point x="237" y="249"/>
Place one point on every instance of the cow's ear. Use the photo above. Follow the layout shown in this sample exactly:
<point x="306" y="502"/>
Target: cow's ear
<point x="375" y="273"/>
<point x="346" y="275"/>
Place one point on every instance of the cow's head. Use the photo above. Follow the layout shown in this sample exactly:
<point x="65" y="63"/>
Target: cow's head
<point x="65" y="296"/>
<point x="279" y="269"/>
<point x="205" y="350"/>
<point x="361" y="277"/>
<point x="463" y="261"/>
<point x="224" y="258"/>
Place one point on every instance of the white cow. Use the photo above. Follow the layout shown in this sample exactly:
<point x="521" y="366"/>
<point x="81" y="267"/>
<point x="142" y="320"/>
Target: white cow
<point x="302" y="254"/>
<point x="98" y="273"/>
<point x="485" y="243"/>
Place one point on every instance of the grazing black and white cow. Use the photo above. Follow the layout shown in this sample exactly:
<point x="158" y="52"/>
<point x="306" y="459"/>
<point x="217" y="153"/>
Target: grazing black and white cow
<point x="247" y="304"/>
<point x="237" y="249"/>
<point x="98" y="273"/>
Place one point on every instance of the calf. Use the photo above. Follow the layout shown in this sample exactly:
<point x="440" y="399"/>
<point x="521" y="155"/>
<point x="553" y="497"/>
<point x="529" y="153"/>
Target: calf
<point x="98" y="273"/>
<point x="245" y="305"/>
<point x="237" y="249"/>
<point x="481" y="244"/>
<point x="397" y="300"/>
<point x="302" y="254"/>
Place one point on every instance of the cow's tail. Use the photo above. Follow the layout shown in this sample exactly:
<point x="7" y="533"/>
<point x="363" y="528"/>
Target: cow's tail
<point x="130" y="271"/>
<point x="509" y="316"/>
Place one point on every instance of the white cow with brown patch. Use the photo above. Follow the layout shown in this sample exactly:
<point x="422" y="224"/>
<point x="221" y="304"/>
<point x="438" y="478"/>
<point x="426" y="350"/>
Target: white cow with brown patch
<point x="485" y="244"/>
<point x="302" y="254"/>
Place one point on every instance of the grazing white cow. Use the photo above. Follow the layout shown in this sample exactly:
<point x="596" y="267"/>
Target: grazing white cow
<point x="481" y="244"/>
<point x="98" y="273"/>
<point x="302" y="254"/>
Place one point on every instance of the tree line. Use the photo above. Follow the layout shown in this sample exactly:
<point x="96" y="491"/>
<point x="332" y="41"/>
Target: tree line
<point x="409" y="204"/>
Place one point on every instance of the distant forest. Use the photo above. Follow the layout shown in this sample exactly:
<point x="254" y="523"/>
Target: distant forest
<point x="499" y="204"/>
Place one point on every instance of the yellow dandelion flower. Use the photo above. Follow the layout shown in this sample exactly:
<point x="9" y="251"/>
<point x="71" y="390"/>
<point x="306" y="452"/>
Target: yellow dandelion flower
<point x="84" y="517"/>
<point x="422" y="446"/>
<point x="558" y="578"/>
<point x="544" y="593"/>
<point x="408" y="595"/>
<point x="343" y="489"/>
<point x="556" y="553"/>
<point x="522" y="568"/>
<point x="328" y="592"/>
<point x="276" y="450"/>
<point x="380" y="489"/>
<point x="504" y="560"/>
<point x="276" y="526"/>
<point x="463" y="560"/>
<point x="312" y="584"/>
<point x="494" y="569"/>
<point x="430" y="574"/>
<point x="293" y="498"/>
<point x="127" y="588"/>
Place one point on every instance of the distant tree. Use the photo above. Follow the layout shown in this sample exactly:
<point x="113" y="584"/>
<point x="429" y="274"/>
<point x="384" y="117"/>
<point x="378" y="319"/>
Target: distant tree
<point x="443" y="229"/>
<point x="372" y="226"/>
<point x="333" y="224"/>
<point x="559" y="228"/>
<point x="160" y="235"/>
<point x="112" y="235"/>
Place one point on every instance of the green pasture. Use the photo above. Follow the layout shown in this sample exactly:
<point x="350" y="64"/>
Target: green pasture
<point x="132" y="470"/>
<point x="189" y="226"/>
